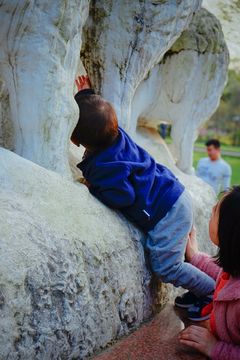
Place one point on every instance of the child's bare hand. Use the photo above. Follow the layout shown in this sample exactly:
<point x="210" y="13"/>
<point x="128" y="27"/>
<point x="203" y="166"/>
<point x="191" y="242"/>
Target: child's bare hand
<point x="198" y="338"/>
<point x="83" y="82"/>
<point x="192" y="246"/>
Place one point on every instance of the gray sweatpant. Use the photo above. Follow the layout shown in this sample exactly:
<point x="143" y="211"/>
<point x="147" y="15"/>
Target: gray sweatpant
<point x="166" y="245"/>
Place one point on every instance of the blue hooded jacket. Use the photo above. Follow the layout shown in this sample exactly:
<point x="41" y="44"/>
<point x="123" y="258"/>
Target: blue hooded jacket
<point x="126" y="177"/>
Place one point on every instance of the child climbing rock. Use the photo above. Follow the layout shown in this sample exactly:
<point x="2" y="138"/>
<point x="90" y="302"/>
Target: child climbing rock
<point x="124" y="176"/>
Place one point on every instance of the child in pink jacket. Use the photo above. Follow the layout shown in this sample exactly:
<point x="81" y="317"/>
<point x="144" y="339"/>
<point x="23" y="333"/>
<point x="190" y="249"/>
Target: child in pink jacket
<point x="222" y="342"/>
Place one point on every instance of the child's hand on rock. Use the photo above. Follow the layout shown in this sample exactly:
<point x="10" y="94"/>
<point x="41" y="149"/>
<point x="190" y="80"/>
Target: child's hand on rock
<point x="83" y="82"/>
<point x="192" y="247"/>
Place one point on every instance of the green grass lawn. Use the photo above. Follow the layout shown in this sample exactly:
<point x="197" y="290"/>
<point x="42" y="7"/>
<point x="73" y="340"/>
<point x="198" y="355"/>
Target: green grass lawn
<point x="233" y="161"/>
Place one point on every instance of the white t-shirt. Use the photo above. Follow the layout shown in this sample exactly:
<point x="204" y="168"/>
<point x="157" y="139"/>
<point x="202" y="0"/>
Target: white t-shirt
<point x="214" y="173"/>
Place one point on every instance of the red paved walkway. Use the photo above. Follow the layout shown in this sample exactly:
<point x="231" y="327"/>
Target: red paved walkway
<point x="157" y="340"/>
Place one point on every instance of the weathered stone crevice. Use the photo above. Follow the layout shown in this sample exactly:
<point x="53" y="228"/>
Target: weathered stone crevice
<point x="7" y="132"/>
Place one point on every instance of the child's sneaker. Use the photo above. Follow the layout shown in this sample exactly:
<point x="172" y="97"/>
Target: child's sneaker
<point x="202" y="309"/>
<point x="186" y="300"/>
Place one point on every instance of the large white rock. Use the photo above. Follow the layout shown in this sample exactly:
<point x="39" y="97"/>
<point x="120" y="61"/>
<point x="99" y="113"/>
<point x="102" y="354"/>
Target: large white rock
<point x="72" y="272"/>
<point x="123" y="40"/>
<point x="184" y="89"/>
<point x="39" y="49"/>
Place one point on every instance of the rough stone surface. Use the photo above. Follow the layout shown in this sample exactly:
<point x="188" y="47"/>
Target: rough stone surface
<point x="123" y="40"/>
<point x="184" y="89"/>
<point x="72" y="272"/>
<point x="6" y="123"/>
<point x="39" y="51"/>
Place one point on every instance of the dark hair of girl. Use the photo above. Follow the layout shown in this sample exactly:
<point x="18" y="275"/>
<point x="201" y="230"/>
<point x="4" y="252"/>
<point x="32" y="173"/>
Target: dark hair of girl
<point x="228" y="256"/>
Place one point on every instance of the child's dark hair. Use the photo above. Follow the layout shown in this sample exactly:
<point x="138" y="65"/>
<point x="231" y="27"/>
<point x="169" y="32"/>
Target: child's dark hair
<point x="97" y="127"/>
<point x="213" y="142"/>
<point x="228" y="256"/>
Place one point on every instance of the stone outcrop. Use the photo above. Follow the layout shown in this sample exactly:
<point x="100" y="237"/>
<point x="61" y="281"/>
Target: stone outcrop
<point x="40" y="46"/>
<point x="72" y="271"/>
<point x="73" y="275"/>
<point x="184" y="89"/>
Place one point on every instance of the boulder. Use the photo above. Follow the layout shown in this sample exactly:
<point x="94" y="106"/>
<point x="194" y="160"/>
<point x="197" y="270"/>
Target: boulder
<point x="72" y="271"/>
<point x="73" y="274"/>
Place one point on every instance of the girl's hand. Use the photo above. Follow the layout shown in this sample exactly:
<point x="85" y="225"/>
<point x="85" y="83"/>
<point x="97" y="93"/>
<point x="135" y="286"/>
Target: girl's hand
<point x="198" y="338"/>
<point x="192" y="246"/>
<point x="83" y="82"/>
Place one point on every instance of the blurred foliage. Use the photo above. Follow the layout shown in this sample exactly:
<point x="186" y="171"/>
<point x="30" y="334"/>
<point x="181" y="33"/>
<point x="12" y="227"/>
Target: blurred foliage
<point x="224" y="125"/>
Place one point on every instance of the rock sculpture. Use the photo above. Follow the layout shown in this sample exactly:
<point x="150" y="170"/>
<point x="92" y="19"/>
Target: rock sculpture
<point x="65" y="290"/>
<point x="184" y="89"/>
<point x="73" y="275"/>
<point x="40" y="45"/>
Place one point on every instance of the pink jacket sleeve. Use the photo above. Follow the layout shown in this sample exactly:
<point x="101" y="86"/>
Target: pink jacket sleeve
<point x="206" y="263"/>
<point x="224" y="351"/>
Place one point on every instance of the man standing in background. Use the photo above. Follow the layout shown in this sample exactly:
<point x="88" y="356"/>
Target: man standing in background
<point x="213" y="169"/>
